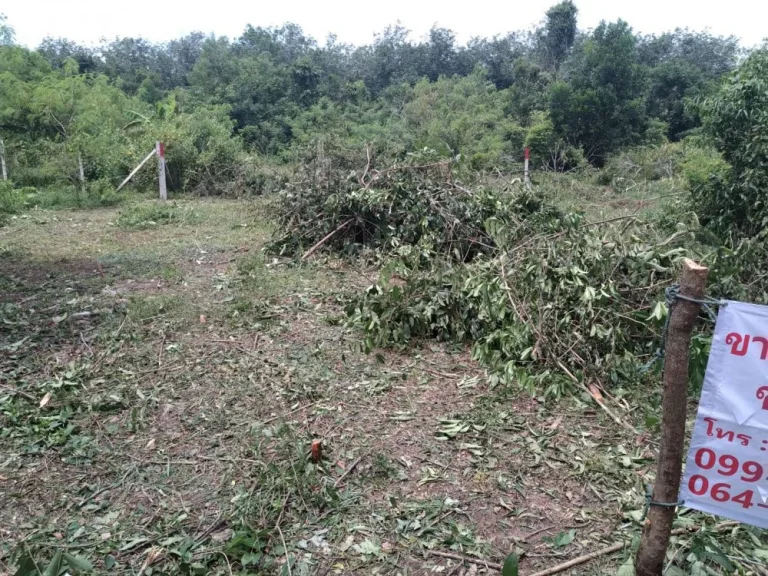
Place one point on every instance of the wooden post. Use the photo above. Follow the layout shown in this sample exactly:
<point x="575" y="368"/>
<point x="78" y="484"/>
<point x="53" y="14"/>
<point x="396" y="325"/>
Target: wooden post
<point x="82" y="172"/>
<point x="658" y="525"/>
<point x="160" y="147"/>
<point x="2" y="159"/>
<point x="526" y="172"/>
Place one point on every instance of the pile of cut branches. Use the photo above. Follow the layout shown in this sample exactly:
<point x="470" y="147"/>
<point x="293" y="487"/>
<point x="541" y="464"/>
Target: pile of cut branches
<point x="327" y="205"/>
<point x="559" y="302"/>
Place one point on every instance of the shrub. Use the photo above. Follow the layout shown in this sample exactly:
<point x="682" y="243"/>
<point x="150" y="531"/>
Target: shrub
<point x="547" y="150"/>
<point x="152" y="214"/>
<point x="541" y="139"/>
<point x="11" y="199"/>
<point x="261" y="175"/>
<point x="653" y="163"/>
<point x="98" y="193"/>
<point x="707" y="176"/>
<point x="102" y="193"/>
<point x="737" y="120"/>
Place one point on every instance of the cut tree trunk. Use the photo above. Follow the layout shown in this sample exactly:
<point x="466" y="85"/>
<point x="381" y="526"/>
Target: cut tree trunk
<point x="658" y="525"/>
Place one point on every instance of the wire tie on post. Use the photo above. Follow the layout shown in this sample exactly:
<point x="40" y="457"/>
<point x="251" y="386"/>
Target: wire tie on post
<point x="672" y="295"/>
<point x="650" y="502"/>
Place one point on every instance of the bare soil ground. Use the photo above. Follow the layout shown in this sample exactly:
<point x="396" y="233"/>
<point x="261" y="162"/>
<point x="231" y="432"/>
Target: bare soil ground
<point x="160" y="390"/>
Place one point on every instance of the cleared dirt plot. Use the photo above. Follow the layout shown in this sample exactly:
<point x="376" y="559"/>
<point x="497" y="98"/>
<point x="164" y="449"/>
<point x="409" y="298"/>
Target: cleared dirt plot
<point x="427" y="303"/>
<point x="163" y="383"/>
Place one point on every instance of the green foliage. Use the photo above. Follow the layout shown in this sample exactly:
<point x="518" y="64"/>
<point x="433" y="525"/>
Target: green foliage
<point x="416" y="205"/>
<point x="354" y="123"/>
<point x="737" y="267"/>
<point x="602" y="108"/>
<point x="737" y="119"/>
<point x="559" y="32"/>
<point x="7" y="33"/>
<point x="529" y="90"/>
<point x="707" y="176"/>
<point x="510" y="567"/>
<point x="541" y="139"/>
<point x="61" y="563"/>
<point x="11" y="199"/>
<point x="54" y="121"/>
<point x="548" y="151"/>
<point x="462" y="116"/>
<point x="153" y="214"/>
<point x="280" y="90"/>
<point x="555" y="284"/>
<point x="262" y="175"/>
<point x="652" y="163"/>
<point x="453" y="116"/>
<point x="673" y="86"/>
<point x="202" y="156"/>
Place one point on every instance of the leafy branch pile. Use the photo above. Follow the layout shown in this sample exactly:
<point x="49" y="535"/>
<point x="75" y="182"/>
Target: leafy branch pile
<point x="559" y="301"/>
<point x="331" y="204"/>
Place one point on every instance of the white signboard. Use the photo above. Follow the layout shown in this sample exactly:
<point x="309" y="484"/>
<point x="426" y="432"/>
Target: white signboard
<point x="727" y="468"/>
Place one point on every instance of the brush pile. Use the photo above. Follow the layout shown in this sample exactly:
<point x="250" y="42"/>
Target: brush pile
<point x="331" y="205"/>
<point x="546" y="298"/>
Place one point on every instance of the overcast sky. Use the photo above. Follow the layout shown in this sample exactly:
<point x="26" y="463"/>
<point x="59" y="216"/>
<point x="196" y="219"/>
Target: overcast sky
<point x="355" y="21"/>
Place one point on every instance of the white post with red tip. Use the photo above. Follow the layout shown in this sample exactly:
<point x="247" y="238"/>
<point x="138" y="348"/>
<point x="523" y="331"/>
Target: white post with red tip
<point x="160" y="149"/>
<point x="527" y="172"/>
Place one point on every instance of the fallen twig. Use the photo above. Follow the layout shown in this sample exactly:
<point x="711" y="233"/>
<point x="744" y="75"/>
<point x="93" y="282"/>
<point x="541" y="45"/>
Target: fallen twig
<point x="615" y="548"/>
<point x="438" y="373"/>
<point x="279" y="531"/>
<point x="152" y="555"/>
<point x="460" y="558"/>
<point x="539" y="531"/>
<point x="269" y="420"/>
<point x="349" y="469"/>
<point x="599" y="403"/>
<point x="325" y="238"/>
<point x="581" y="560"/>
<point x="19" y="393"/>
<point x="120" y="482"/>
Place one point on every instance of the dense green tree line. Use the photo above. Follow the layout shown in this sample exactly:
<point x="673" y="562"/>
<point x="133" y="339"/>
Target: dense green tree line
<point x="572" y="95"/>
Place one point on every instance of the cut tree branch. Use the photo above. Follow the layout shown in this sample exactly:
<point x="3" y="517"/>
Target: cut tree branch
<point x="327" y="237"/>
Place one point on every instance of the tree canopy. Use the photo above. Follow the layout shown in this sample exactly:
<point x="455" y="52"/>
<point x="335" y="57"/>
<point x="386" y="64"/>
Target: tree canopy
<point x="572" y="93"/>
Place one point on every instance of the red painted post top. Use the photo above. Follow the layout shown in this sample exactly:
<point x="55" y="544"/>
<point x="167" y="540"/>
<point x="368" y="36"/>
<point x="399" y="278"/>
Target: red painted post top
<point x="161" y="149"/>
<point x="527" y="153"/>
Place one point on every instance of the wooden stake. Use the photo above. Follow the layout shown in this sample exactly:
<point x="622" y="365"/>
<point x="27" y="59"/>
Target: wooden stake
<point x="160" y="147"/>
<point x="2" y="159"/>
<point x="316" y="451"/>
<point x="658" y="525"/>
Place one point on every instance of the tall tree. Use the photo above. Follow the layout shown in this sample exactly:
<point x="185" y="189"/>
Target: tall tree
<point x="684" y="66"/>
<point x="391" y="59"/>
<point x="440" y="56"/>
<point x="59" y="50"/>
<point x="603" y="106"/>
<point x="176" y="59"/>
<point x="559" y="33"/>
<point x="712" y="55"/>
<point x="498" y="55"/>
<point x="7" y="33"/>
<point x="130" y="61"/>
